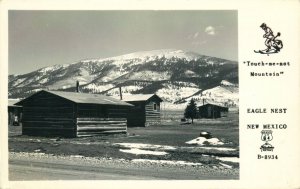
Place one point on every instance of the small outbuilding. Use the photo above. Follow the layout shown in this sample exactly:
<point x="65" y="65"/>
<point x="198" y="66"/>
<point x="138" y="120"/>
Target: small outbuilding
<point x="212" y="110"/>
<point x="72" y="114"/>
<point x="146" y="110"/>
<point x="14" y="112"/>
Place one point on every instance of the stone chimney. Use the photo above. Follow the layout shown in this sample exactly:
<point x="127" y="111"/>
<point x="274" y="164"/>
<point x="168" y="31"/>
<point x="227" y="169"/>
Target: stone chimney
<point x="121" y="97"/>
<point x="77" y="86"/>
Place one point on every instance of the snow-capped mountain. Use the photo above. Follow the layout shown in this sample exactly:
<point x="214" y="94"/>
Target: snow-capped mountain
<point x="174" y="75"/>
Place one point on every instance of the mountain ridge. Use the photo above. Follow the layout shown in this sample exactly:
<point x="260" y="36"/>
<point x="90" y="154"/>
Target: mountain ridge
<point x="173" y="74"/>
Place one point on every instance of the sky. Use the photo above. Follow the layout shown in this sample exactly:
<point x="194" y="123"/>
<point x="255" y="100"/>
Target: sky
<point x="43" y="38"/>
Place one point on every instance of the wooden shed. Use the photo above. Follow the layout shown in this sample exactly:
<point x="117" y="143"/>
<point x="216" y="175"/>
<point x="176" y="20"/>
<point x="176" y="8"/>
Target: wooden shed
<point x="212" y="110"/>
<point x="146" y="110"/>
<point x="72" y="114"/>
<point x="14" y="112"/>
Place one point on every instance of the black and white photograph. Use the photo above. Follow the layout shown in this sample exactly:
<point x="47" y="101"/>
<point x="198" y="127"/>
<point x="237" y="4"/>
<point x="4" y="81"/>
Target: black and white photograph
<point x="123" y="95"/>
<point x="149" y="94"/>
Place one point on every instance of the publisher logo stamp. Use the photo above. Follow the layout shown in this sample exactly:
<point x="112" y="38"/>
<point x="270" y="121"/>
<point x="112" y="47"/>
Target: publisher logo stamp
<point x="266" y="136"/>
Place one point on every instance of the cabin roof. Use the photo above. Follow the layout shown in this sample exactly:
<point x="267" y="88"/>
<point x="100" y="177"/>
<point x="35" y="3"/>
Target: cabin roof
<point x="85" y="98"/>
<point x="140" y="97"/>
<point x="12" y="102"/>
<point x="213" y="103"/>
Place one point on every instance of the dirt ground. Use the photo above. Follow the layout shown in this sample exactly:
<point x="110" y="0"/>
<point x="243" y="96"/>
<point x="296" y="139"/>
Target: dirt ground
<point x="30" y="166"/>
<point x="170" y="136"/>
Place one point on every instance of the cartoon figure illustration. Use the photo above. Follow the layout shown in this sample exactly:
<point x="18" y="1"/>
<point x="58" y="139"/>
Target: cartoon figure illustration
<point x="273" y="45"/>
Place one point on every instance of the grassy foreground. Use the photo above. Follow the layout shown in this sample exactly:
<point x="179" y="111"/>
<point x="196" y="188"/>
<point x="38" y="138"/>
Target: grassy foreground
<point x="169" y="133"/>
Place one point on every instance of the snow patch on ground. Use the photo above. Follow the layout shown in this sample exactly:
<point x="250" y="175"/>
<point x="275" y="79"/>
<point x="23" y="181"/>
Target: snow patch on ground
<point x="173" y="93"/>
<point x="26" y="82"/>
<point x="114" y="92"/>
<point x="225" y="165"/>
<point x="190" y="73"/>
<point x="183" y="84"/>
<point x="170" y="106"/>
<point x="226" y="83"/>
<point x="33" y="90"/>
<point x="45" y="80"/>
<point x="152" y="55"/>
<point x="146" y="146"/>
<point x="76" y="156"/>
<point x="130" y="88"/>
<point x="230" y="159"/>
<point x="218" y="148"/>
<point x="18" y="81"/>
<point x="71" y="81"/>
<point x="145" y="152"/>
<point x="126" y="90"/>
<point x="223" y="95"/>
<point x="98" y="88"/>
<point x="113" y="74"/>
<point x="47" y="69"/>
<point x="166" y="162"/>
<point x="202" y="140"/>
<point x="150" y="75"/>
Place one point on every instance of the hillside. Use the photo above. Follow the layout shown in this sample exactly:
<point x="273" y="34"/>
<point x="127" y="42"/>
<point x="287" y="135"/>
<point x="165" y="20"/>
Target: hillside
<point x="175" y="75"/>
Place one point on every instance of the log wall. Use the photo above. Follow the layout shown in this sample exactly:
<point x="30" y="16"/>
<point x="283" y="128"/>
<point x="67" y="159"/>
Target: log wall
<point x="12" y="112"/>
<point x="98" y="126"/>
<point x="136" y="116"/>
<point x="143" y="114"/>
<point x="100" y="119"/>
<point x="212" y="111"/>
<point x="47" y="115"/>
<point x="152" y="116"/>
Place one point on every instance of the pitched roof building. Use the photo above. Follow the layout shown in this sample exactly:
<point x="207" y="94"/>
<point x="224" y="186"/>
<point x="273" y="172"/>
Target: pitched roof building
<point x="212" y="110"/>
<point x="146" y="110"/>
<point x="72" y="114"/>
<point x="14" y="112"/>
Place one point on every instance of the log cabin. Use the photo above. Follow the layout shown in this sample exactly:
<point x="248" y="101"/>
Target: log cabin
<point x="212" y="110"/>
<point x="146" y="110"/>
<point x="72" y="114"/>
<point x="14" y="112"/>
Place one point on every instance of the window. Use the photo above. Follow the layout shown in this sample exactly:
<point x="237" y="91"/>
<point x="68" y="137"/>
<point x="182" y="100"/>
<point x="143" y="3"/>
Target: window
<point x="154" y="106"/>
